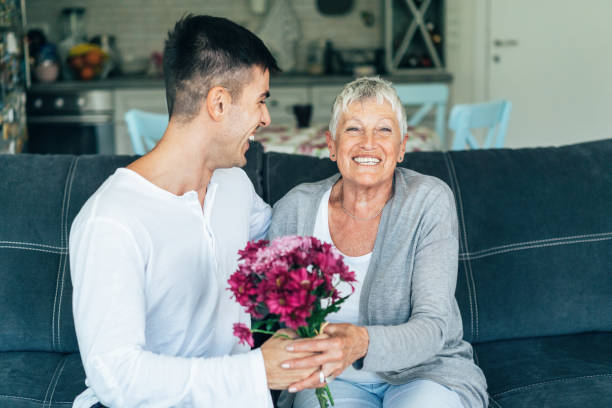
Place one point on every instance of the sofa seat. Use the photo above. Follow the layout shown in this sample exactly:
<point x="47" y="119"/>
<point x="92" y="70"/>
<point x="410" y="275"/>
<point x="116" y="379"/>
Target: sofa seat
<point x="39" y="379"/>
<point x="559" y="371"/>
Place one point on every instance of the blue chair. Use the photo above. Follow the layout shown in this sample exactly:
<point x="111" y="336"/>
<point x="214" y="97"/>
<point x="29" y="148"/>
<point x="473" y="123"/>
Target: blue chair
<point x="428" y="96"/>
<point x="145" y="129"/>
<point x="493" y="116"/>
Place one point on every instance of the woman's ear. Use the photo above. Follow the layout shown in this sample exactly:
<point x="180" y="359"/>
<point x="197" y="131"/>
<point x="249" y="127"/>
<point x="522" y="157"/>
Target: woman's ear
<point x="331" y="145"/>
<point x="217" y="102"/>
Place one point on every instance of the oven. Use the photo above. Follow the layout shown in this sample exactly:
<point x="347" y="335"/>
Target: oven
<point x="70" y="122"/>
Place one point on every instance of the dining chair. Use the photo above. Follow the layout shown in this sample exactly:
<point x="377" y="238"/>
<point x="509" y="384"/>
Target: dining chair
<point x="428" y="97"/>
<point x="493" y="116"/>
<point x="145" y="129"/>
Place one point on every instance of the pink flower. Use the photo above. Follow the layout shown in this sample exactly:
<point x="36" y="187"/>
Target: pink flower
<point x="249" y="253"/>
<point x="296" y="319"/>
<point x="242" y="287"/>
<point x="278" y="303"/>
<point x="290" y="277"/>
<point x="301" y="278"/>
<point x="244" y="334"/>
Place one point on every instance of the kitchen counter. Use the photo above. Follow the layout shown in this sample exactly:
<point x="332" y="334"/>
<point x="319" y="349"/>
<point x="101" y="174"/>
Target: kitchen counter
<point x="142" y="82"/>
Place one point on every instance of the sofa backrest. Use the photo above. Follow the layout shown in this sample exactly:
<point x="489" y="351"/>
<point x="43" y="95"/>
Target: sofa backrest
<point x="535" y="236"/>
<point x="535" y="233"/>
<point x="39" y="198"/>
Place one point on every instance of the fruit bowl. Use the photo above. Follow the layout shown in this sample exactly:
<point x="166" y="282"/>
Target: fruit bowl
<point x="87" y="61"/>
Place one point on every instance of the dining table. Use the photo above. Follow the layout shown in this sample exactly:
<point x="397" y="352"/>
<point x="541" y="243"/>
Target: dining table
<point x="311" y="140"/>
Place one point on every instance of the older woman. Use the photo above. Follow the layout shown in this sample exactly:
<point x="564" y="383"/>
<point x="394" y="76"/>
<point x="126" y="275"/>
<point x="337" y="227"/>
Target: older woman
<point x="397" y="341"/>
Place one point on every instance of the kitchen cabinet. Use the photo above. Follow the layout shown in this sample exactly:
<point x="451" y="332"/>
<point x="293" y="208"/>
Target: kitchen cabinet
<point x="286" y="91"/>
<point x="281" y="101"/>
<point x="322" y="100"/>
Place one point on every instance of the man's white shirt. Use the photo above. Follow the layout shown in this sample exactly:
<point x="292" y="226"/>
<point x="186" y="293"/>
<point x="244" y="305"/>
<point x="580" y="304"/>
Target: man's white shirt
<point x="152" y="312"/>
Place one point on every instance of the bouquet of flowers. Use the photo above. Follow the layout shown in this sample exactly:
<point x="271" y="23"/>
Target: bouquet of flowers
<point x="292" y="281"/>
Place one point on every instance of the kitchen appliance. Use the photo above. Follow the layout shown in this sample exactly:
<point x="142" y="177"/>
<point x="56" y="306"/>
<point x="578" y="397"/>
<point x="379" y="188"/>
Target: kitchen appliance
<point x="70" y="122"/>
<point x="14" y="76"/>
<point x="73" y="33"/>
<point x="72" y="23"/>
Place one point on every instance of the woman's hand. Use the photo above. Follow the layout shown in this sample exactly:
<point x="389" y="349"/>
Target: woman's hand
<point x="345" y="344"/>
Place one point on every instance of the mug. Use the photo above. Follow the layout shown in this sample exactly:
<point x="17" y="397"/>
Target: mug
<point x="302" y="115"/>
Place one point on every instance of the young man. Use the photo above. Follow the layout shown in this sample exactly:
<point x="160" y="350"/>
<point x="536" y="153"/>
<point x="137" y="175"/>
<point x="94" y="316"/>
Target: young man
<point x="152" y="249"/>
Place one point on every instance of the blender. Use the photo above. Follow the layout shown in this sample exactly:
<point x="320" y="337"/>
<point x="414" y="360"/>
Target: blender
<point x="73" y="34"/>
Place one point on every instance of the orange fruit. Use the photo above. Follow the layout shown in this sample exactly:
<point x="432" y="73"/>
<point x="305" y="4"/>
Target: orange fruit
<point x="87" y="73"/>
<point x="93" y="58"/>
<point x="76" y="62"/>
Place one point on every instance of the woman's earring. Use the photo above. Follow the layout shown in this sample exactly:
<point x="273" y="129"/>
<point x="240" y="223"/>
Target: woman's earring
<point x="333" y="156"/>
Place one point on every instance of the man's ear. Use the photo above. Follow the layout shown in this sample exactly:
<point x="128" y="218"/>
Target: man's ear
<point x="217" y="103"/>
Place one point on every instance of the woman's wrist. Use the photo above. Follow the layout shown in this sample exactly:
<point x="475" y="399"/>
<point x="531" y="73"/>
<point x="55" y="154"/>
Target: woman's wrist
<point x="364" y="337"/>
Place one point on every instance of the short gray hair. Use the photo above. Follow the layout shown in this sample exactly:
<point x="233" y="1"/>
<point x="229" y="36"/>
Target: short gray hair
<point x="365" y="88"/>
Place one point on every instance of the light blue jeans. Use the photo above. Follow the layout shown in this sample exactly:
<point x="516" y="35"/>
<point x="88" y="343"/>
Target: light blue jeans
<point x="415" y="394"/>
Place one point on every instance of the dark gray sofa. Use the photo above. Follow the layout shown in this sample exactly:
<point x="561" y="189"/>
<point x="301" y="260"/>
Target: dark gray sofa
<point x="535" y="266"/>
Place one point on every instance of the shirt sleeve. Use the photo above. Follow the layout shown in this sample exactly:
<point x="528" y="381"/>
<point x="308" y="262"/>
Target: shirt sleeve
<point x="260" y="217"/>
<point x="434" y="278"/>
<point x="108" y="269"/>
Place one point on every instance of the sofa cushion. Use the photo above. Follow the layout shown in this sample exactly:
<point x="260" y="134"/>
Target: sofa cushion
<point x="39" y="196"/>
<point x="535" y="240"/>
<point x="535" y="233"/>
<point x="40" y="379"/>
<point x="561" y="371"/>
<point x="33" y="253"/>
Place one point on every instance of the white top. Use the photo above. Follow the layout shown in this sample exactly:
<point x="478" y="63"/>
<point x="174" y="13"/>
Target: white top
<point x="349" y="310"/>
<point x="152" y="314"/>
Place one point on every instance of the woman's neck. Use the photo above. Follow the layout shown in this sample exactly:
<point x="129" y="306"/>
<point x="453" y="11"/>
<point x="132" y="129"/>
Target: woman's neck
<point x="359" y="202"/>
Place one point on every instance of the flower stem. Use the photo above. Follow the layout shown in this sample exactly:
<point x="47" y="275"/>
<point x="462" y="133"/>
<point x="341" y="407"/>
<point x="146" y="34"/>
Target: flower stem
<point x="329" y="396"/>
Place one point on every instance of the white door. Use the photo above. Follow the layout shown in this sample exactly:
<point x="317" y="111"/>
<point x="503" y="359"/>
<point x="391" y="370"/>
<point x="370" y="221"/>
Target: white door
<point x="553" y="60"/>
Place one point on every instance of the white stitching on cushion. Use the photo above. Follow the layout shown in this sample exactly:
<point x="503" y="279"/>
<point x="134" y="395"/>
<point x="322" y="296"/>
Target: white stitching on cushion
<point x="31" y="399"/>
<point x="51" y="381"/>
<point x="568" y="379"/>
<point x="59" y="265"/>
<point x="59" y="374"/>
<point x="465" y="239"/>
<point x="32" y="244"/>
<point x="59" y="307"/>
<point x="452" y="184"/>
<point x="495" y="402"/>
<point x="33" y="249"/>
<point x="537" y="244"/>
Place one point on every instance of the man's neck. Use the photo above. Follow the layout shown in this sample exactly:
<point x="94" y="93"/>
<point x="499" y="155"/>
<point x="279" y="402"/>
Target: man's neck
<point x="179" y="163"/>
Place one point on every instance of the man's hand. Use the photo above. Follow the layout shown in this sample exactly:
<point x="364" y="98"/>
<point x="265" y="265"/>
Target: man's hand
<point x="274" y="352"/>
<point x="345" y="344"/>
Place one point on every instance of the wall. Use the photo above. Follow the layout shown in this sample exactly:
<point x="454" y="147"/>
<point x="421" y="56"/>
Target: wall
<point x="141" y="25"/>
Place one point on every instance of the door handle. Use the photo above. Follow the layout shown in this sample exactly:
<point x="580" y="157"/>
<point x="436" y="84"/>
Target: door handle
<point x="505" y="43"/>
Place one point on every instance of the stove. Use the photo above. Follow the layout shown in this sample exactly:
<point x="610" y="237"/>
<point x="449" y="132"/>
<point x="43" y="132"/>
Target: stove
<point x="70" y="122"/>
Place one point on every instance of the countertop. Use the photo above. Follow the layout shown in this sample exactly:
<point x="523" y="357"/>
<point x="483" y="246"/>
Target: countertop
<point x="141" y="82"/>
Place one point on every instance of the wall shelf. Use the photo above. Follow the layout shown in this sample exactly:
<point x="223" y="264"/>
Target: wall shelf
<point x="414" y="36"/>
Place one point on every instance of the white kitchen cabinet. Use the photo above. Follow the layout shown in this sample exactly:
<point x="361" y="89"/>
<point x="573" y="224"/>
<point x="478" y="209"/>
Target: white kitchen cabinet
<point x="281" y="101"/>
<point x="149" y="100"/>
<point x="322" y="100"/>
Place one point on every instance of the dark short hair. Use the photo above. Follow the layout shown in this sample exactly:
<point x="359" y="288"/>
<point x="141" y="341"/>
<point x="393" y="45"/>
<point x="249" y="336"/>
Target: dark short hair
<point x="204" y="51"/>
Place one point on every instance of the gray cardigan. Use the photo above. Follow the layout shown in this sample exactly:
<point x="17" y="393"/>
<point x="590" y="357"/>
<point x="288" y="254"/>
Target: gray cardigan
<point x="407" y="301"/>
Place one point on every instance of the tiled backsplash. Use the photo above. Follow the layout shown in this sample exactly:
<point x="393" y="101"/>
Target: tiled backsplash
<point x="141" y="25"/>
